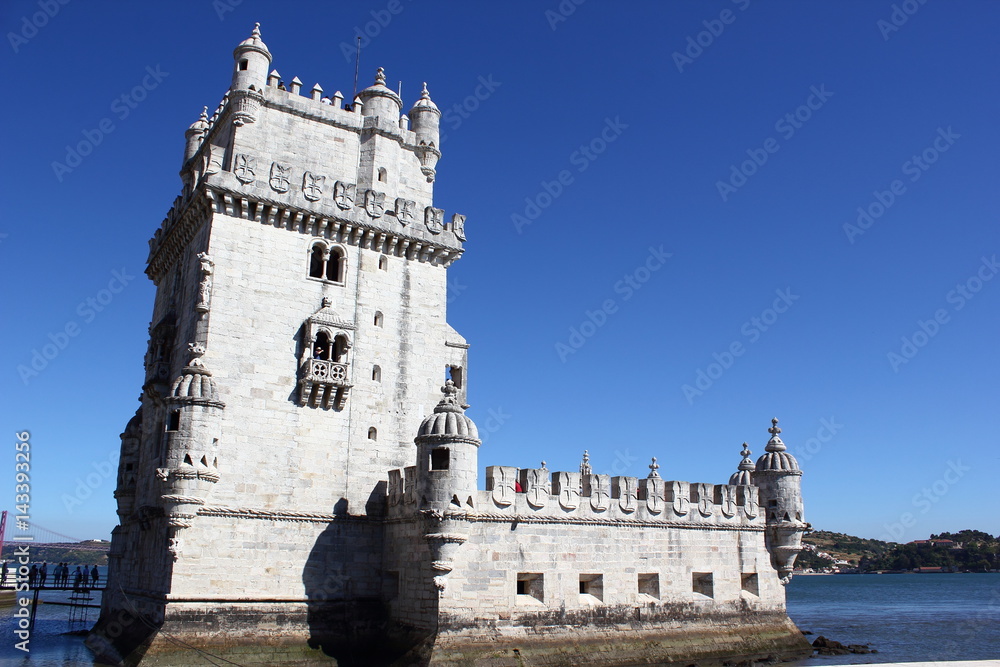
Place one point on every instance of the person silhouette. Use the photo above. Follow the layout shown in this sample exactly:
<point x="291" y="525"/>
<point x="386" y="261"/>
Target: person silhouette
<point x="94" y="576"/>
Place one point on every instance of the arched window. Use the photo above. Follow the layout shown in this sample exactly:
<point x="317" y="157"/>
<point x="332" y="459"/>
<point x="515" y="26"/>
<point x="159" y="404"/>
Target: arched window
<point x="378" y="318"/>
<point x="316" y="261"/>
<point x="335" y="265"/>
<point x="383" y="263"/>
<point x="340" y="347"/>
<point x="376" y="373"/>
<point x="322" y="348"/>
<point x="372" y="433"/>
<point x="382" y="175"/>
<point x="327" y="262"/>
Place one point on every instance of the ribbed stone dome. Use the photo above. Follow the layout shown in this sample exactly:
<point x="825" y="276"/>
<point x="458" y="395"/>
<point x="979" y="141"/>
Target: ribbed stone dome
<point x="775" y="457"/>
<point x="425" y="101"/>
<point x="449" y="421"/>
<point x="195" y="384"/>
<point x="743" y="475"/>
<point x="379" y="89"/>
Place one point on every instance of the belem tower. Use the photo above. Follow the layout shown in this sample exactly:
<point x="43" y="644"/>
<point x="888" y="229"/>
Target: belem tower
<point x="298" y="487"/>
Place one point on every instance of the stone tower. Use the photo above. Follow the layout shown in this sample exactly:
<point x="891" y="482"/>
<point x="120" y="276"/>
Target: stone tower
<point x="780" y="481"/>
<point x="298" y="337"/>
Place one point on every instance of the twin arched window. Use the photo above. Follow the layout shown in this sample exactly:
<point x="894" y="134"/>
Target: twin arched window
<point x="327" y="350"/>
<point x="327" y="262"/>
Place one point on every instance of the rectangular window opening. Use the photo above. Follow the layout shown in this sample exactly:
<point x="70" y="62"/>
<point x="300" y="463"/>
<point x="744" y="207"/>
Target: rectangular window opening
<point x="440" y="458"/>
<point x="530" y="587"/>
<point x="702" y="584"/>
<point x="748" y="582"/>
<point x="174" y="420"/>
<point x="649" y="585"/>
<point x="591" y="588"/>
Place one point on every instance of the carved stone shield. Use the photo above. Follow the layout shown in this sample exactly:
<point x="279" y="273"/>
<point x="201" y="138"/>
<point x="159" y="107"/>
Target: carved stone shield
<point x="728" y="501"/>
<point x="410" y="484"/>
<point x="627" y="489"/>
<point x="706" y="503"/>
<point x="599" y="487"/>
<point x="374" y="203"/>
<point x="654" y="495"/>
<point x="568" y="489"/>
<point x="213" y="160"/>
<point x="537" y="488"/>
<point x="458" y="226"/>
<point x="343" y="195"/>
<point x="312" y="186"/>
<point x="750" y="505"/>
<point x="395" y="487"/>
<point x="245" y="168"/>
<point x="405" y="210"/>
<point x="434" y="219"/>
<point x="280" y="176"/>
<point x="680" y="502"/>
<point x="500" y="480"/>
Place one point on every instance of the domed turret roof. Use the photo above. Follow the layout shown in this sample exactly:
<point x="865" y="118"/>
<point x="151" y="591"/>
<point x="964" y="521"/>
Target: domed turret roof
<point x="133" y="429"/>
<point x="775" y="457"/>
<point x="195" y="385"/>
<point x="253" y="43"/>
<point x="425" y="103"/>
<point x="200" y="125"/>
<point x="449" y="422"/>
<point x="379" y="89"/>
<point x="742" y="476"/>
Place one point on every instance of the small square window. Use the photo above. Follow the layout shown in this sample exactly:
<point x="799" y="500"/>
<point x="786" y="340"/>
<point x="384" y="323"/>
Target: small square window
<point x="440" y="458"/>
<point x="748" y="582"/>
<point x="702" y="584"/>
<point x="530" y="588"/>
<point x="591" y="588"/>
<point x="649" y="585"/>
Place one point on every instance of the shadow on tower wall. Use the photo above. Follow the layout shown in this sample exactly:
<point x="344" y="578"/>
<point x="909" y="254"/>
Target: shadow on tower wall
<point x="349" y="617"/>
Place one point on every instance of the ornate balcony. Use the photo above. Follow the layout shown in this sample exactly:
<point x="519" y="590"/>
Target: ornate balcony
<point x="323" y="384"/>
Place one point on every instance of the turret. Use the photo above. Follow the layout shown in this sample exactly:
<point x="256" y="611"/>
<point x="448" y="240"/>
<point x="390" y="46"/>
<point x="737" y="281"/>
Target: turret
<point x="744" y="472"/>
<point x="425" y="121"/>
<point x="194" y="414"/>
<point x="249" y="78"/>
<point x="780" y="481"/>
<point x="194" y="135"/>
<point x="379" y="100"/>
<point x="447" y="455"/>
<point x="128" y="463"/>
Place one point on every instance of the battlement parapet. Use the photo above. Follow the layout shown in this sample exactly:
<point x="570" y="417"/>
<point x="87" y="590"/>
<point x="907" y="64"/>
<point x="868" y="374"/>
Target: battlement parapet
<point x="542" y="495"/>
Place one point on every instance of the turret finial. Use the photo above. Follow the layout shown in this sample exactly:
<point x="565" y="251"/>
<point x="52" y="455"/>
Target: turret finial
<point x="774" y="444"/>
<point x="424" y="95"/>
<point x="746" y="463"/>
<point x="653" y="467"/>
<point x="256" y="31"/>
<point x="543" y="466"/>
<point x="204" y="114"/>
<point x="380" y="76"/>
<point x="774" y="430"/>
<point x="585" y="468"/>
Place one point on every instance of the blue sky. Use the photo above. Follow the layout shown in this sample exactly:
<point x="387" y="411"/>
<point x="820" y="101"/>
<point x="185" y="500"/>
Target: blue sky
<point x="739" y="138"/>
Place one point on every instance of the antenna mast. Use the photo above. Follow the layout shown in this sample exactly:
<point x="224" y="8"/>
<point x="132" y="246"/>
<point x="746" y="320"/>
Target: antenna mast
<point x="357" y="64"/>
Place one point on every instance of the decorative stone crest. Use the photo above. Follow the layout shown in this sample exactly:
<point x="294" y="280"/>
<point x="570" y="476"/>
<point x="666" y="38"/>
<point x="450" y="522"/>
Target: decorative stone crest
<point x="405" y="210"/>
<point x="567" y="487"/>
<point x="501" y="481"/>
<point x="680" y="502"/>
<point x="205" y="286"/>
<point x="537" y="488"/>
<point x="213" y="160"/>
<point x="627" y="492"/>
<point x="245" y="168"/>
<point x="312" y="186"/>
<point x="434" y="219"/>
<point x="343" y="195"/>
<point x="458" y="226"/>
<point x="280" y="177"/>
<point x="395" y="487"/>
<point x="705" y="500"/>
<point x="374" y="203"/>
<point x="599" y="488"/>
<point x="654" y="488"/>
<point x="749" y="501"/>
<point x="728" y="500"/>
<point x="410" y="484"/>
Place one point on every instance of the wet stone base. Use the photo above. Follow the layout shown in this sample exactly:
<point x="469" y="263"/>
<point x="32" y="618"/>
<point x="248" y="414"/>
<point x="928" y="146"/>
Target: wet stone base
<point x="357" y="633"/>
